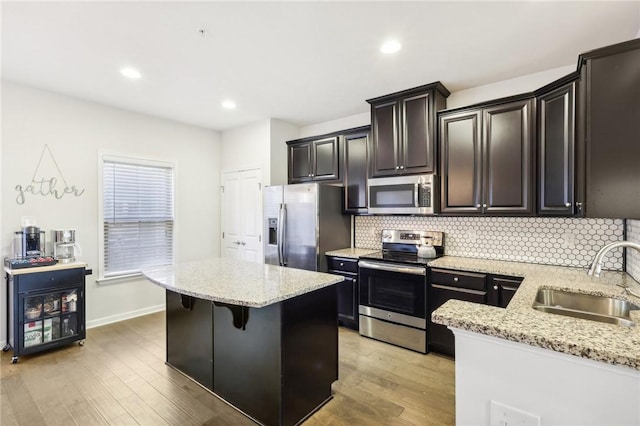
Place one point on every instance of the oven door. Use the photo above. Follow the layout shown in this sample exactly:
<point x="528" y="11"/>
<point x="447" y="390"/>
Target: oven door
<point x="393" y="292"/>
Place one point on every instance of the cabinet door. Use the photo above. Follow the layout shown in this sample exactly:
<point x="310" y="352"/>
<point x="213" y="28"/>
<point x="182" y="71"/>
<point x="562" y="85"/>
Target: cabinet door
<point x="556" y="124"/>
<point x="348" y="302"/>
<point x="355" y="175"/>
<point x="460" y="144"/>
<point x="300" y="162"/>
<point x="325" y="159"/>
<point x="384" y="122"/>
<point x="613" y="135"/>
<point x="507" y="158"/>
<point x="502" y="290"/>
<point x="417" y="147"/>
<point x="440" y="338"/>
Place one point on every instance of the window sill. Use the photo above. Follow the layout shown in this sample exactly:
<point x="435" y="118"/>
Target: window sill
<point x="118" y="279"/>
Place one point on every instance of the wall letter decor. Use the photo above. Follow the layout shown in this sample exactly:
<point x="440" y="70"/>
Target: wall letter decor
<point x="46" y="185"/>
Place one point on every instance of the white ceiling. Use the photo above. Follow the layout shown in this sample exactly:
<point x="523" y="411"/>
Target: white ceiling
<point x="302" y="62"/>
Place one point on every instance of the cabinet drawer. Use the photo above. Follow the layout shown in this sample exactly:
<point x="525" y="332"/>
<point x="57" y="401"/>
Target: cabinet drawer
<point x="343" y="264"/>
<point x="47" y="280"/>
<point x="468" y="280"/>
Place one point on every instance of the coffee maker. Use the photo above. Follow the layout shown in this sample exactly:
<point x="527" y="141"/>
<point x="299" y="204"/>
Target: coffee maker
<point x="65" y="247"/>
<point x="29" y="242"/>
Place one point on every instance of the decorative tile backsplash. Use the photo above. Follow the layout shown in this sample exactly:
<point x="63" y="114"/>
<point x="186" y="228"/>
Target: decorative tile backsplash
<point x="551" y="241"/>
<point x="633" y="256"/>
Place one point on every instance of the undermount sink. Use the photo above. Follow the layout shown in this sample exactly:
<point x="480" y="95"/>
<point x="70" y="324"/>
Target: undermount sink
<point x="585" y="306"/>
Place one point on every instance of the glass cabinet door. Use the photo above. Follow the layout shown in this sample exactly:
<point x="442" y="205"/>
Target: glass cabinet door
<point x="49" y="317"/>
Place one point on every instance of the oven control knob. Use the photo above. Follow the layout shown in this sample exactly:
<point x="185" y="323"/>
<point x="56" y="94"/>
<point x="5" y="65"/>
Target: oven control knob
<point x="386" y="236"/>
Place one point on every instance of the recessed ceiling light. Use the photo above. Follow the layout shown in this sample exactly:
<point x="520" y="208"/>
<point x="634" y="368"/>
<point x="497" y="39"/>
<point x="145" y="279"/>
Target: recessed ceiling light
<point x="130" y="72"/>
<point x="390" y="46"/>
<point x="228" y="104"/>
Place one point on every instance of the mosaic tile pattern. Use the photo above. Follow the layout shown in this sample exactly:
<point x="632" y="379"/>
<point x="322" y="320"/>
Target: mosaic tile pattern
<point x="633" y="256"/>
<point x="550" y="241"/>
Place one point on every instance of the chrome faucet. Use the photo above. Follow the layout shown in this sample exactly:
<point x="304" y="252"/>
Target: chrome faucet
<point x="596" y="266"/>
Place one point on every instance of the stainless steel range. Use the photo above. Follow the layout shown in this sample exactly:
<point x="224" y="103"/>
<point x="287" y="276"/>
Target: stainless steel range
<point x="393" y="289"/>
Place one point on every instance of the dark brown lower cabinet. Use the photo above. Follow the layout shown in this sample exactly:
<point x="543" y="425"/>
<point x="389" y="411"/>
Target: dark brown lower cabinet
<point x="445" y="285"/>
<point x="495" y="290"/>
<point x="347" y="290"/>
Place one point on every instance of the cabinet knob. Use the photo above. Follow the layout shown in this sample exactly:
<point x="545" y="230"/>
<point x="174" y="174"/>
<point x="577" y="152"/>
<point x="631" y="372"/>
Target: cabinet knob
<point x="397" y="167"/>
<point x="567" y="204"/>
<point x="484" y="206"/>
<point x="455" y="279"/>
<point x="309" y="175"/>
<point x="401" y="167"/>
<point x="341" y="263"/>
<point x="312" y="175"/>
<point x="478" y="206"/>
<point x="495" y="287"/>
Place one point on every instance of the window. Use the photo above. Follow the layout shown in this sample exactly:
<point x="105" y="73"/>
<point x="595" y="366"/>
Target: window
<point x="137" y="215"/>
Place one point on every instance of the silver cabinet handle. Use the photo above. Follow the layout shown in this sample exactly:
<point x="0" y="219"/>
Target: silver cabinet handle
<point x="495" y="287"/>
<point x="484" y="206"/>
<point x="243" y="243"/>
<point x="455" y="279"/>
<point x="567" y="204"/>
<point x="236" y="242"/>
<point x="309" y="175"/>
<point x="397" y="167"/>
<point x="341" y="263"/>
<point x="478" y="206"/>
<point x="401" y="167"/>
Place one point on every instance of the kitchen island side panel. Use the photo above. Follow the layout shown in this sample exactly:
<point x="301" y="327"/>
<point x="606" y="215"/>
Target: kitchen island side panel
<point x="309" y="352"/>
<point x="246" y="359"/>
<point x="190" y="336"/>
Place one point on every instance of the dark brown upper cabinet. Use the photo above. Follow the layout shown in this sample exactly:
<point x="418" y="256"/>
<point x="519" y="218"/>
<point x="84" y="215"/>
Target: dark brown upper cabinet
<point x="312" y="160"/>
<point x="609" y="130"/>
<point x="355" y="171"/>
<point x="487" y="158"/>
<point x="556" y="105"/>
<point x="404" y="131"/>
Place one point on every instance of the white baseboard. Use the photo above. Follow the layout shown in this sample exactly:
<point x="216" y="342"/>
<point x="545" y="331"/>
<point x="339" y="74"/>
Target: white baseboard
<point x="125" y="316"/>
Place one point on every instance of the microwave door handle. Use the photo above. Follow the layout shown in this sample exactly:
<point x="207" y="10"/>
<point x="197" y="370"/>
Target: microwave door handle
<point x="415" y="195"/>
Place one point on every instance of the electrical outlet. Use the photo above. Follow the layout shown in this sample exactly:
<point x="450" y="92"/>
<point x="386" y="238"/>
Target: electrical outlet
<point x="568" y="240"/>
<point x="504" y="415"/>
<point x="472" y="236"/>
<point x="374" y="232"/>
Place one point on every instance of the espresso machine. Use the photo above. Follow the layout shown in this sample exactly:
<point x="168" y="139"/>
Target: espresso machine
<point x="29" y="242"/>
<point x="65" y="247"/>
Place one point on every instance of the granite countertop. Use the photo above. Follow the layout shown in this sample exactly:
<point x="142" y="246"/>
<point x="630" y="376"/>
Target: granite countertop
<point x="352" y="253"/>
<point x="519" y="322"/>
<point x="49" y="268"/>
<point x="239" y="282"/>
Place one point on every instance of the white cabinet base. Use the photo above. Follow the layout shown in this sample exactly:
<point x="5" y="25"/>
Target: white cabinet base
<point x="558" y="388"/>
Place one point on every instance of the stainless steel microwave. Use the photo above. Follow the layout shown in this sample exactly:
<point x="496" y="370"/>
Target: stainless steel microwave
<point x="403" y="195"/>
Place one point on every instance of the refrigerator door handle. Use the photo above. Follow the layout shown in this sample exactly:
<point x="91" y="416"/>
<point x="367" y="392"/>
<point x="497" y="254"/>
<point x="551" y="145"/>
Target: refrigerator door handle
<point x="283" y="242"/>
<point x="280" y="236"/>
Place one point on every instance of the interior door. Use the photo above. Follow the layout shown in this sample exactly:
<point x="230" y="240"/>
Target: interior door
<point x="242" y="215"/>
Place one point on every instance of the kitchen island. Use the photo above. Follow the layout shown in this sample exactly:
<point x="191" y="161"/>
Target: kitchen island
<point x="263" y="338"/>
<point x="559" y="369"/>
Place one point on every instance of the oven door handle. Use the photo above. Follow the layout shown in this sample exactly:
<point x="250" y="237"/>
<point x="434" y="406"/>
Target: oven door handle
<point x="414" y="270"/>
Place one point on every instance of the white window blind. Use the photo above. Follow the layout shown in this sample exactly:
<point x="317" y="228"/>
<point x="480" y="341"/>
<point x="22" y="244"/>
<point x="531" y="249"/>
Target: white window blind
<point x="138" y="217"/>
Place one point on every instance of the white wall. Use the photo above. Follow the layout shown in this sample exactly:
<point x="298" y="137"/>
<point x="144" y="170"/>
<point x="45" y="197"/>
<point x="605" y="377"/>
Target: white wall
<point x="504" y="88"/>
<point x="281" y="132"/>
<point x="357" y="120"/>
<point x="75" y="131"/>
<point x="247" y="147"/>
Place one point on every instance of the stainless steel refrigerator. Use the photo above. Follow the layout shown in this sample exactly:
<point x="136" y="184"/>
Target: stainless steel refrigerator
<point x="302" y="222"/>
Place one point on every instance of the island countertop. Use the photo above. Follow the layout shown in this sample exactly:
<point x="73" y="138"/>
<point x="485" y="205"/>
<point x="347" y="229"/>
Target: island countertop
<point x="519" y="322"/>
<point x="239" y="282"/>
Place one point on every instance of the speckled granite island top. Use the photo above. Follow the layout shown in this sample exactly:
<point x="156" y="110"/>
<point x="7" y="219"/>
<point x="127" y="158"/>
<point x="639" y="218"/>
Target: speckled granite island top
<point x="351" y="253"/>
<point x="519" y="322"/>
<point x="239" y="282"/>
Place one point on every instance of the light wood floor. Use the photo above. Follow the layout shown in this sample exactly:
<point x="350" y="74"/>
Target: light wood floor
<point x="119" y="377"/>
